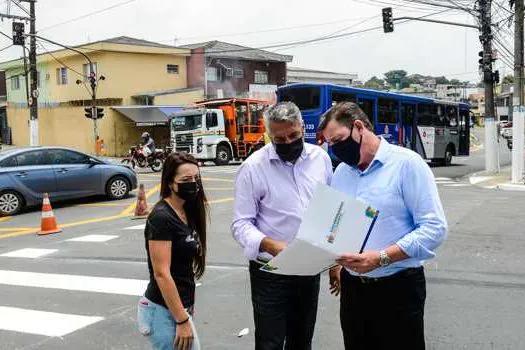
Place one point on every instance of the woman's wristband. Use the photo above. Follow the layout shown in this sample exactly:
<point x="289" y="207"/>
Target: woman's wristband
<point x="183" y="322"/>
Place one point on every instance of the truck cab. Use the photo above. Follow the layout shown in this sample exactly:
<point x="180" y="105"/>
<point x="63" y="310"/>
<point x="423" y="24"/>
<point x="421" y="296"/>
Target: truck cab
<point x="201" y="132"/>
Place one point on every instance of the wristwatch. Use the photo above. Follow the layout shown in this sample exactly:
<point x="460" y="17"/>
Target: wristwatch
<point x="384" y="259"/>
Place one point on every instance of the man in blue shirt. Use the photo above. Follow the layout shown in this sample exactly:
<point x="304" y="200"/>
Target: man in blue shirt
<point x="383" y="290"/>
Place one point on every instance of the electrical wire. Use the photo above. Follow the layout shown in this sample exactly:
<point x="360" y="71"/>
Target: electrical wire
<point x="87" y="15"/>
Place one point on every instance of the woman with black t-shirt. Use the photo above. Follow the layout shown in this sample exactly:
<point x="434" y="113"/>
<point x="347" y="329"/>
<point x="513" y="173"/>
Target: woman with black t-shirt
<point x="175" y="236"/>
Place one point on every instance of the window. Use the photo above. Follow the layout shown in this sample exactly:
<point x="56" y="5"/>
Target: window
<point x="261" y="77"/>
<point x="304" y="98"/>
<point x="211" y="120"/>
<point x="387" y="112"/>
<point x="427" y="112"/>
<point x="451" y="116"/>
<point x="62" y="76"/>
<point x="38" y="76"/>
<point x="15" y="82"/>
<point x="338" y="96"/>
<point x="173" y="68"/>
<point x="68" y="157"/>
<point x="407" y="114"/>
<point x="8" y="162"/>
<point x="33" y="158"/>
<point x="86" y="71"/>
<point x="238" y="73"/>
<point x="212" y="74"/>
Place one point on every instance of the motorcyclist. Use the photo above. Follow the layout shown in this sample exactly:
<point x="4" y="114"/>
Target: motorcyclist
<point x="148" y="144"/>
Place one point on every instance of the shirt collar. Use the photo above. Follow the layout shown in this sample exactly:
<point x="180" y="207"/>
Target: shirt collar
<point x="274" y="156"/>
<point x="380" y="157"/>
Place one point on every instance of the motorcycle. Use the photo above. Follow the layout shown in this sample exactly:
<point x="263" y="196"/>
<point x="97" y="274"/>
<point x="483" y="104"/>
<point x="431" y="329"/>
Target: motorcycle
<point x="137" y="158"/>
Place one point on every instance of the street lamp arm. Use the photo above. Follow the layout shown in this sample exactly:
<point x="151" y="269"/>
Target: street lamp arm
<point x="65" y="47"/>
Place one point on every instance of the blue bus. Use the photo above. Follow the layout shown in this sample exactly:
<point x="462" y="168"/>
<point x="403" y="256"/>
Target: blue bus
<point x="437" y="130"/>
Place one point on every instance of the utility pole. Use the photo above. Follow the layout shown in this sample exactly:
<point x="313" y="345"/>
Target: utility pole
<point x="33" y="114"/>
<point x="18" y="34"/>
<point x="517" y="103"/>
<point x="488" y="78"/>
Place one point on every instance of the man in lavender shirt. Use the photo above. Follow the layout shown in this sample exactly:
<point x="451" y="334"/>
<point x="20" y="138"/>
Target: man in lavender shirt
<point x="272" y="190"/>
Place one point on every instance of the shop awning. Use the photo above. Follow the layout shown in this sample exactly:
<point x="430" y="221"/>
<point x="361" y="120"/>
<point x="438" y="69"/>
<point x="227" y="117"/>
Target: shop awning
<point x="149" y="115"/>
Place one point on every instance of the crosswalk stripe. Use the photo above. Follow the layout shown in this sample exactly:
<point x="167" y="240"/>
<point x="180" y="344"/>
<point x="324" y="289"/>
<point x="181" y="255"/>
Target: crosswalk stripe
<point x="31" y="253"/>
<point x="50" y="324"/>
<point x="458" y="185"/>
<point x="93" y="238"/>
<point x="443" y="179"/>
<point x="445" y="182"/>
<point x="137" y="227"/>
<point x="106" y="285"/>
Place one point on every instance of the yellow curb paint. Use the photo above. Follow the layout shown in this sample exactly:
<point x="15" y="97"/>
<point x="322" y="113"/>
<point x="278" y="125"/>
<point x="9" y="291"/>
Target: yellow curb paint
<point x="5" y="218"/>
<point x="217" y="179"/>
<point x="22" y="231"/>
<point x="223" y="200"/>
<point x="11" y="229"/>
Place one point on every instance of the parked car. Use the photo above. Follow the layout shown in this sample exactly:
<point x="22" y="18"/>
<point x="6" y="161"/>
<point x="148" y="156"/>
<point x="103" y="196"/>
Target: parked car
<point x="27" y="173"/>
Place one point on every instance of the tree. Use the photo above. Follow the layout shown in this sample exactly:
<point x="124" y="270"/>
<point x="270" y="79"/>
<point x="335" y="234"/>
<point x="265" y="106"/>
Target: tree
<point x="441" y="80"/>
<point x="454" y="82"/>
<point x="375" y="83"/>
<point x="395" y="77"/>
<point x="508" y="79"/>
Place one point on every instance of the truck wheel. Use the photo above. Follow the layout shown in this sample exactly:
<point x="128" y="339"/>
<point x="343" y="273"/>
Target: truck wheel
<point x="223" y="156"/>
<point x="448" y="157"/>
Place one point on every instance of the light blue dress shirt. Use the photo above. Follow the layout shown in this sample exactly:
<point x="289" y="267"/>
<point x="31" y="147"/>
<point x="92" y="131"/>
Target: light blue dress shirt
<point x="399" y="184"/>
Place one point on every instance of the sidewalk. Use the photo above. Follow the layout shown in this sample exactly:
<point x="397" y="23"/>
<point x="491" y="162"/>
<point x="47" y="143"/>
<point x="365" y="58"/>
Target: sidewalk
<point x="500" y="181"/>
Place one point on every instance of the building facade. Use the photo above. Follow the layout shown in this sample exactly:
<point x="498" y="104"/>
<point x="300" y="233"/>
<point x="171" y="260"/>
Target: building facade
<point x="302" y="75"/>
<point x="227" y="70"/>
<point x="135" y="72"/>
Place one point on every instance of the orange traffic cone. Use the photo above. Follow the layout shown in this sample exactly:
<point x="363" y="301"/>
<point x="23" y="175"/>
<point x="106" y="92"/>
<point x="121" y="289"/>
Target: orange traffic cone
<point x="141" y="209"/>
<point x="48" y="223"/>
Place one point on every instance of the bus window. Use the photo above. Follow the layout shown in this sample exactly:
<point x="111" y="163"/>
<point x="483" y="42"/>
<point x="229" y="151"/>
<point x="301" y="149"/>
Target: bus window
<point x="367" y="106"/>
<point x="451" y="116"/>
<point x="439" y="119"/>
<point x="407" y="114"/>
<point x="387" y="112"/>
<point x="339" y="96"/>
<point x="426" y="112"/>
<point x="304" y="98"/>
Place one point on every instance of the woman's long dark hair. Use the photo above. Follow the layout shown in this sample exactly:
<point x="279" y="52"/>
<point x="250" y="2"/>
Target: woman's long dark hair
<point x="197" y="212"/>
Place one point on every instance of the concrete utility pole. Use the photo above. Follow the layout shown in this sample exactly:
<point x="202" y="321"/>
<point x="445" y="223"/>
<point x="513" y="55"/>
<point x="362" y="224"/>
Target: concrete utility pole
<point x="33" y="114"/>
<point x="491" y="150"/>
<point x="517" y="103"/>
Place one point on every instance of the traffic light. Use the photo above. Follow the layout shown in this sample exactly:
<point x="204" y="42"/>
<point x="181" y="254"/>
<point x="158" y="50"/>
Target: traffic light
<point x="88" y="112"/>
<point x="496" y="77"/>
<point x="388" y="22"/>
<point x="100" y="113"/>
<point x="481" y="61"/>
<point x="18" y="33"/>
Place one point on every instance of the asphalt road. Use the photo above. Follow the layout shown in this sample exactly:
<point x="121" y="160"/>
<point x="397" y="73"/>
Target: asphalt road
<point x="68" y="294"/>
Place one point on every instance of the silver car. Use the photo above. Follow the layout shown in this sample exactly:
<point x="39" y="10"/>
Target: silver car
<point x="27" y="173"/>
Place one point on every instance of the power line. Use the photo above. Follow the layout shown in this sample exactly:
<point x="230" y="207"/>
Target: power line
<point x="88" y="15"/>
<point x="7" y="47"/>
<point x="58" y="60"/>
<point x="7" y="36"/>
<point x="21" y="7"/>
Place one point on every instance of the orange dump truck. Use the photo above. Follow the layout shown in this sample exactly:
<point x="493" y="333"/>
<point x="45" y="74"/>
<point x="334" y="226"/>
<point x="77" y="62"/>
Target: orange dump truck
<point x="219" y="130"/>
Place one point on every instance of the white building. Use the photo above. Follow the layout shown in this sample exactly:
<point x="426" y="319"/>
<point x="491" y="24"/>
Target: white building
<point x="302" y="75"/>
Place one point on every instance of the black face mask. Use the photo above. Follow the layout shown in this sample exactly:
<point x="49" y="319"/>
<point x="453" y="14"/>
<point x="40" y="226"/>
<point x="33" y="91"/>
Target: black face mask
<point x="348" y="150"/>
<point x="188" y="191"/>
<point x="289" y="152"/>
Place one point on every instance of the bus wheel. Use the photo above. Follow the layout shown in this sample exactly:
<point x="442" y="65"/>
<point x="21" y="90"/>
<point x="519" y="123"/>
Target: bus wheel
<point x="448" y="156"/>
<point x="223" y="155"/>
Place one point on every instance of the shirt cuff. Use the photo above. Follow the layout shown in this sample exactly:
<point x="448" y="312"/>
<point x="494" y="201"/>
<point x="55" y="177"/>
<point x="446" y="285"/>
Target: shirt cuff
<point x="414" y="249"/>
<point x="251" y="251"/>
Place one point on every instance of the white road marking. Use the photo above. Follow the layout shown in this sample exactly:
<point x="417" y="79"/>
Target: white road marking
<point x="477" y="179"/>
<point x="458" y="185"/>
<point x="31" y="253"/>
<point x="50" y="324"/>
<point x="93" y="238"/>
<point x="74" y="282"/>
<point x="137" y="227"/>
<point x="443" y="179"/>
<point x="445" y="182"/>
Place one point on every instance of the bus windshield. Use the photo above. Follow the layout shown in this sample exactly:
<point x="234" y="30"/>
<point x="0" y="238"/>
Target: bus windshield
<point x="305" y="98"/>
<point x="187" y="122"/>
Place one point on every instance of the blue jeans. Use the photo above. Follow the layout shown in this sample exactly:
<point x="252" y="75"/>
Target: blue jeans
<point x="156" y="322"/>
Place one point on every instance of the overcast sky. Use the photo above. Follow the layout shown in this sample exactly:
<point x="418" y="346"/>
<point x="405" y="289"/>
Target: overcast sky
<point x="417" y="47"/>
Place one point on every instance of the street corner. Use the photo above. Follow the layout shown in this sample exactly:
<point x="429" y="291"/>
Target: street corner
<point x="496" y="181"/>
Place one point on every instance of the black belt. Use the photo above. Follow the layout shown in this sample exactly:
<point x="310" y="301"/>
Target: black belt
<point x="398" y="275"/>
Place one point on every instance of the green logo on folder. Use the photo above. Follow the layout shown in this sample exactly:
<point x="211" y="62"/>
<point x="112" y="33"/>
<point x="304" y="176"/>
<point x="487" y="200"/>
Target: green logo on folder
<point x="371" y="212"/>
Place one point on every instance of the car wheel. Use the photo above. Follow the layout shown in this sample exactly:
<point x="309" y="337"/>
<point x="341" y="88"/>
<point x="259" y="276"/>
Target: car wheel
<point x="223" y="156"/>
<point x="10" y="203"/>
<point x="117" y="188"/>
